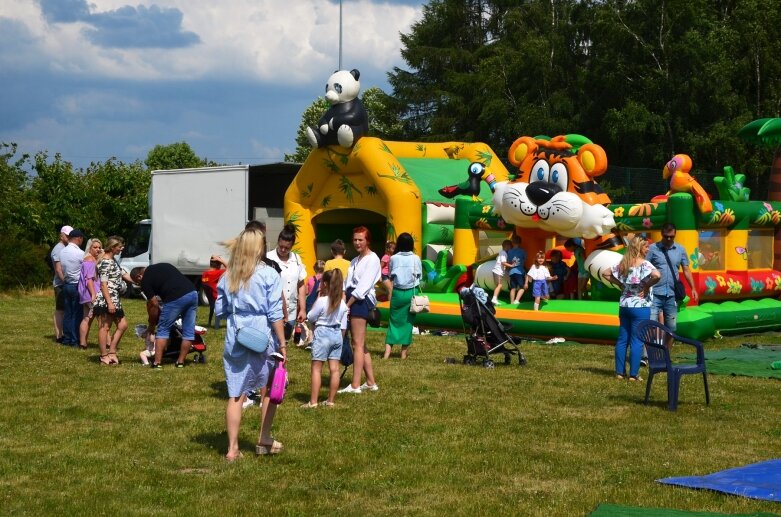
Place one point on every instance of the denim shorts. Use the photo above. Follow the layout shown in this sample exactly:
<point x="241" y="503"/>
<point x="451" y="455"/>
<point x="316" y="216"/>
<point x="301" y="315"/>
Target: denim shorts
<point x="359" y="308"/>
<point x="667" y="306"/>
<point x="186" y="306"/>
<point x="327" y="343"/>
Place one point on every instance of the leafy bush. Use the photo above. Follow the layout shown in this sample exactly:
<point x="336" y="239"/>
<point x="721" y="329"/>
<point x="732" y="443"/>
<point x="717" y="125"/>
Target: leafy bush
<point x="23" y="264"/>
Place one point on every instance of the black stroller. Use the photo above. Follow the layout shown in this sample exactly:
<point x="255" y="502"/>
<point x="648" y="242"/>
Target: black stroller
<point x="485" y="334"/>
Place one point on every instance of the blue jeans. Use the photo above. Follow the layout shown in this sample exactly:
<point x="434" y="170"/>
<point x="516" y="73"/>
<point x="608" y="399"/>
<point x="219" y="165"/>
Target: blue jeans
<point x="186" y="306"/>
<point x="73" y="315"/>
<point x="668" y="307"/>
<point x="629" y="318"/>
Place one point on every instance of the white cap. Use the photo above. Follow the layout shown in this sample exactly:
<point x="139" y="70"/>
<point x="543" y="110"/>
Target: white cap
<point x="66" y="229"/>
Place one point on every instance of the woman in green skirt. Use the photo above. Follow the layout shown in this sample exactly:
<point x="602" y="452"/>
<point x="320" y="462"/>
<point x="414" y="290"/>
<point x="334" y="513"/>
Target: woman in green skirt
<point x="405" y="273"/>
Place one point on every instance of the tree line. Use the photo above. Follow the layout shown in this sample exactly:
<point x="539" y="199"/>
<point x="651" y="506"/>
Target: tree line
<point x="646" y="79"/>
<point x="40" y="194"/>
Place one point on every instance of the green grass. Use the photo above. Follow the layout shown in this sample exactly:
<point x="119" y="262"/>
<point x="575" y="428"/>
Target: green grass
<point x="556" y="437"/>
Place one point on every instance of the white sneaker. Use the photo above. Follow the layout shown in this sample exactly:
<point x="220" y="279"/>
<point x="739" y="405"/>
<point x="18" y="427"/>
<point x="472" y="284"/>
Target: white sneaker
<point x="366" y="387"/>
<point x="496" y="302"/>
<point x="247" y="403"/>
<point x="350" y="389"/>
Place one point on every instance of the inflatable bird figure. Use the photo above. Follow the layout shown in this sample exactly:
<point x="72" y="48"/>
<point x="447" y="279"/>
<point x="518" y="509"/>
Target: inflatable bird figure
<point x="681" y="180"/>
<point x="470" y="187"/>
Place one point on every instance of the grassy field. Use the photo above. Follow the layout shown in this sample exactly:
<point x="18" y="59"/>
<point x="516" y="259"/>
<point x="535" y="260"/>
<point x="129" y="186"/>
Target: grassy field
<point x="556" y="437"/>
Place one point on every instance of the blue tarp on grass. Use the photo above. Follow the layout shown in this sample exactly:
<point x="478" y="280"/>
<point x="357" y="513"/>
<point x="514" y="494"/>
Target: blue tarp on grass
<point x="756" y="481"/>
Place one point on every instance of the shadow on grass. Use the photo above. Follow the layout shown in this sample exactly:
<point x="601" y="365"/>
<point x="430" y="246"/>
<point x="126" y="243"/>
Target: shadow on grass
<point x="214" y="441"/>
<point x="219" y="390"/>
<point x="604" y="372"/>
<point x="638" y="399"/>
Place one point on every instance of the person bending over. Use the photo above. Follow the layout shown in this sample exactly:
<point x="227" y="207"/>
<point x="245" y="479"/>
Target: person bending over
<point x="162" y="282"/>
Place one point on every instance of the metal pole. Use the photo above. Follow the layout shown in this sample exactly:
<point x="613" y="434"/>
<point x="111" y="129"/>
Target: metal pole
<point x="340" y="34"/>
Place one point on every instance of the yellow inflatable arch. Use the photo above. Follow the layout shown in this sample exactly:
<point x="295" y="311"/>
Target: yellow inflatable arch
<point x="378" y="184"/>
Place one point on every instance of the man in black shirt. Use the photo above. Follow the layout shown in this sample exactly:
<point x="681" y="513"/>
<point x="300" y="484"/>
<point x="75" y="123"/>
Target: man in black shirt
<point x="163" y="283"/>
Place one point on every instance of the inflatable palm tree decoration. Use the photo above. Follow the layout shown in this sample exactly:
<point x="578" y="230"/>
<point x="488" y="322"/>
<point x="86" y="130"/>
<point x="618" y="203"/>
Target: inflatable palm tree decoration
<point x="767" y="132"/>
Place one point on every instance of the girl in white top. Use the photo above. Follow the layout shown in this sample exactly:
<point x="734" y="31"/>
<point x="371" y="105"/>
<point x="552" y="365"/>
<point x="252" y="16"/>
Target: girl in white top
<point x="329" y="314"/>
<point x="539" y="275"/>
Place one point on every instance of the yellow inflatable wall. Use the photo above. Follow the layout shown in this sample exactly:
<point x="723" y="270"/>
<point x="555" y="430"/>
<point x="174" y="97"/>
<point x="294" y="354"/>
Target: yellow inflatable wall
<point x="370" y="177"/>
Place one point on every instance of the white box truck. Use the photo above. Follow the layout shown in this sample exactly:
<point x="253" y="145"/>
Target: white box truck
<point x="194" y="210"/>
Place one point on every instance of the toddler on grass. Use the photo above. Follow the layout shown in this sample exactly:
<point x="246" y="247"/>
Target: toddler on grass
<point x="148" y="352"/>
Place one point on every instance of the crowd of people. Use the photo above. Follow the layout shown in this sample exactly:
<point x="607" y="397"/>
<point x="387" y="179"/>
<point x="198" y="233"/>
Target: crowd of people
<point x="646" y="277"/>
<point x="270" y="292"/>
<point x="336" y="302"/>
<point x="87" y="286"/>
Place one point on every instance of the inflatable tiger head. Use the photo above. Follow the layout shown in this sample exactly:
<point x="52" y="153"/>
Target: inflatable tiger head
<point x="555" y="188"/>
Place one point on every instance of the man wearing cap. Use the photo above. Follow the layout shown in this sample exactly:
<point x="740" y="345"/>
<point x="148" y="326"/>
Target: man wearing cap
<point x="162" y="282"/>
<point x="57" y="282"/>
<point x="71" y="258"/>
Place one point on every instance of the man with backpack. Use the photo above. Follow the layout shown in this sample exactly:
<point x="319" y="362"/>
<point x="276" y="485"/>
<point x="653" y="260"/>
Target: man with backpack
<point x="667" y="256"/>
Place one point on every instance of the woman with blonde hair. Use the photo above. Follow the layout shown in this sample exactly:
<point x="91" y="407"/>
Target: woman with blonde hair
<point x="634" y="276"/>
<point x="89" y="285"/>
<point x="107" y="303"/>
<point x="249" y="294"/>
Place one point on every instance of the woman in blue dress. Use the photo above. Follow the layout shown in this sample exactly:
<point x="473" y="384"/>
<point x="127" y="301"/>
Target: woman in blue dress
<point x="249" y="294"/>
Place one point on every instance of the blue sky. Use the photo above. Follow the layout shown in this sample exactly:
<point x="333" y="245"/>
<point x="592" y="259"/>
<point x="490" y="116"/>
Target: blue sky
<point x="107" y="78"/>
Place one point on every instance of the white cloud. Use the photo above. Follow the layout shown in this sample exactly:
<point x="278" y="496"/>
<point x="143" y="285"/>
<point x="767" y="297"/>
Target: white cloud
<point x="235" y="95"/>
<point x="282" y="42"/>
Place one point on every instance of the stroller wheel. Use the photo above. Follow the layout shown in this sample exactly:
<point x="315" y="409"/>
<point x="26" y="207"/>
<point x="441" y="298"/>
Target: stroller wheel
<point x="488" y="363"/>
<point x="469" y="360"/>
<point x="508" y="359"/>
<point x="521" y="359"/>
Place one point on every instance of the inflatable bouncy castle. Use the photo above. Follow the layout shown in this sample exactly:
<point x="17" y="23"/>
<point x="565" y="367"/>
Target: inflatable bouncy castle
<point x="459" y="202"/>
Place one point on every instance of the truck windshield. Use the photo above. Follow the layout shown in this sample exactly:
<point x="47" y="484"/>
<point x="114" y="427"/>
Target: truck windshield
<point x="138" y="242"/>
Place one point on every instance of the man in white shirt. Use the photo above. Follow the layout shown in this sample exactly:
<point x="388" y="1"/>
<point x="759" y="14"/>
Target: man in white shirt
<point x="57" y="282"/>
<point x="71" y="258"/>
